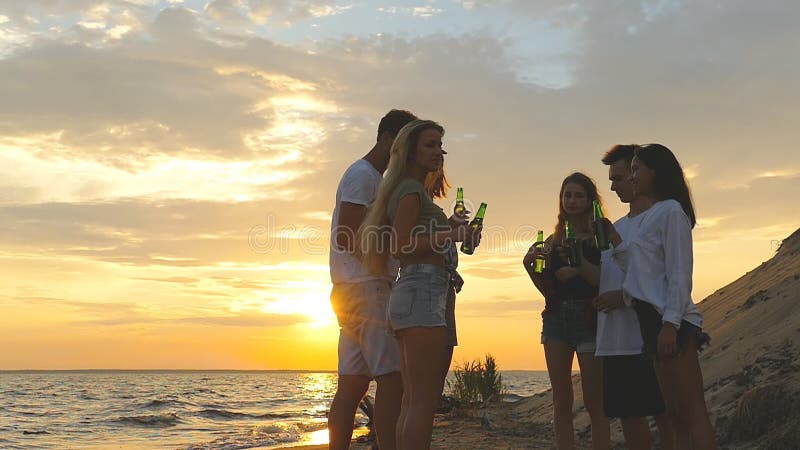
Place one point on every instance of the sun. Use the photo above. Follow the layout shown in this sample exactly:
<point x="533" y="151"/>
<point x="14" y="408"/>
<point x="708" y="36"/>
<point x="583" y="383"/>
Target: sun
<point x="318" y="308"/>
<point x="311" y="300"/>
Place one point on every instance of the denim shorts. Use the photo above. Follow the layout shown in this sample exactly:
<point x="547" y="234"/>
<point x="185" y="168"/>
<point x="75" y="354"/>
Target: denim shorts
<point x="419" y="297"/>
<point x="568" y="324"/>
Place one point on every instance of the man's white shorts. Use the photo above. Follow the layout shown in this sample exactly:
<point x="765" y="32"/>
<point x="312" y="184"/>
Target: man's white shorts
<point x="365" y="346"/>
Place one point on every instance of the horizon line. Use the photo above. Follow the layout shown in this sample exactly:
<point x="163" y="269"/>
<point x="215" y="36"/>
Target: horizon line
<point x="208" y="370"/>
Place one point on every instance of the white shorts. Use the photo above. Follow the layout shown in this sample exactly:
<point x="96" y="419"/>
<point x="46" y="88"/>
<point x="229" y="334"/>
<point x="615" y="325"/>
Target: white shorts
<point x="365" y="345"/>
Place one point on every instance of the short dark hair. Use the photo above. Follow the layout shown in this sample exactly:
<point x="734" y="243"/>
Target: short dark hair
<point x="619" y="152"/>
<point x="393" y="121"/>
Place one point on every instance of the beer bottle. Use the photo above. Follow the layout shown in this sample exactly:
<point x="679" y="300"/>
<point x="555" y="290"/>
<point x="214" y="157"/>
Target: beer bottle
<point x="466" y="247"/>
<point x="600" y="233"/>
<point x="459" y="209"/>
<point x="574" y="249"/>
<point x="540" y="262"/>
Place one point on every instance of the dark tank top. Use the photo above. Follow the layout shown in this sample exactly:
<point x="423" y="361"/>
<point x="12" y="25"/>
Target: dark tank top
<point x="575" y="289"/>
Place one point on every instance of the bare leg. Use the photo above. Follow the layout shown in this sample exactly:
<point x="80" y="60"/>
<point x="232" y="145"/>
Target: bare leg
<point x="418" y="347"/>
<point x="401" y="420"/>
<point x="682" y="385"/>
<point x="448" y="359"/>
<point x="669" y="389"/>
<point x="592" y="385"/>
<point x="666" y="432"/>
<point x="637" y="433"/>
<point x="559" y="368"/>
<point x="388" y="397"/>
<point x="349" y="392"/>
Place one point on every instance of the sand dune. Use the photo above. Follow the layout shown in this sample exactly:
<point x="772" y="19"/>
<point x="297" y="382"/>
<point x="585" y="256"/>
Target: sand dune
<point x="751" y="371"/>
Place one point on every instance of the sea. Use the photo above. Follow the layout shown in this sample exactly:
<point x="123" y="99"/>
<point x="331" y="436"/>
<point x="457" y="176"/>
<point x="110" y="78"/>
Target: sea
<point x="192" y="410"/>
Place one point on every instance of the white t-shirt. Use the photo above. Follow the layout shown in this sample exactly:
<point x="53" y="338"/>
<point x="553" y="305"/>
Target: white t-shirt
<point x="617" y="330"/>
<point x="359" y="185"/>
<point x="658" y="263"/>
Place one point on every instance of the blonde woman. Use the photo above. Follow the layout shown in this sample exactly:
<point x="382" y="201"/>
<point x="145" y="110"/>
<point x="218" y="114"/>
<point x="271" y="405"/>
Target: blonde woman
<point x="437" y="185"/>
<point x="405" y="222"/>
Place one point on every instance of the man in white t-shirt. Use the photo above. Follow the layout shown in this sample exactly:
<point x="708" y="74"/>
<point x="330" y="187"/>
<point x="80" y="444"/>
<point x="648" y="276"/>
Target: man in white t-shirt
<point x="630" y="387"/>
<point x="366" y="350"/>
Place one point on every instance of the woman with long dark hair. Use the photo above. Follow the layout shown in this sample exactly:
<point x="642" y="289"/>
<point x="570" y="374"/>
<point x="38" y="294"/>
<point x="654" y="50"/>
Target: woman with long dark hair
<point x="569" y="319"/>
<point x="658" y="265"/>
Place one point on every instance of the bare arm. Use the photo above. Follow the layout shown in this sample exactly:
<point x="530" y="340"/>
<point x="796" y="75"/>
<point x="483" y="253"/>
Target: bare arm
<point x="589" y="272"/>
<point x="351" y="215"/>
<point x="409" y="243"/>
<point x="528" y="262"/>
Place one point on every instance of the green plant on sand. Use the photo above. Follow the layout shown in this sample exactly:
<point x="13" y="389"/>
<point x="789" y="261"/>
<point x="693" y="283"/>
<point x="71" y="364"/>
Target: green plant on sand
<point x="477" y="382"/>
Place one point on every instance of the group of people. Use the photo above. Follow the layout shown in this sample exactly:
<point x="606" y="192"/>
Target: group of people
<point x="627" y="312"/>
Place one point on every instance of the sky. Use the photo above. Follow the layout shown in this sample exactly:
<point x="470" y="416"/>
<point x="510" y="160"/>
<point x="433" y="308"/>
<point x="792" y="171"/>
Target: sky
<point x="168" y="167"/>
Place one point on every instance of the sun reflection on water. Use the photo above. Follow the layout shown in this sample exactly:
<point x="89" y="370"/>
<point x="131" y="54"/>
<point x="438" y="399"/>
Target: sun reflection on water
<point x="319" y="386"/>
<point x="319" y="437"/>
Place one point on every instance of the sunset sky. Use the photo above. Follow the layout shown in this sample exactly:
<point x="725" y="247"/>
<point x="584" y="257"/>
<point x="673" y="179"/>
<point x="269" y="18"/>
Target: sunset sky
<point x="168" y="168"/>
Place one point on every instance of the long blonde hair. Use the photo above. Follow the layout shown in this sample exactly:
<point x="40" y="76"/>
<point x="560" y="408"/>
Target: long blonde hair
<point x="373" y="238"/>
<point x="436" y="184"/>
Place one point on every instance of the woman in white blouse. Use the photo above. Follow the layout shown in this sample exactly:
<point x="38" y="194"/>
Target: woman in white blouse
<point x="658" y="281"/>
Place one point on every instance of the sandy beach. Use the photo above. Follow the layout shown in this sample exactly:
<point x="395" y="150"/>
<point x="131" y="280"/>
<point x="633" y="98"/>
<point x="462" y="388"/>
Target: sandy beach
<point x="751" y="374"/>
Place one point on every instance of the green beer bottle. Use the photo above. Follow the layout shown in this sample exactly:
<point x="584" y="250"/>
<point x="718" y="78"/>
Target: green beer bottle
<point x="574" y="249"/>
<point x="540" y="262"/>
<point x="600" y="234"/>
<point x="459" y="209"/>
<point x="466" y="247"/>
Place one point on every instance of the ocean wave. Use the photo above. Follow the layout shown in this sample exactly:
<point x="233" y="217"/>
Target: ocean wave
<point x="511" y="398"/>
<point x="150" y="420"/>
<point x="164" y="402"/>
<point x="32" y="413"/>
<point x="157" y="403"/>
<point x="214" y="413"/>
<point x="260" y="436"/>
<point x="309" y="427"/>
<point x="201" y="391"/>
<point x="36" y="432"/>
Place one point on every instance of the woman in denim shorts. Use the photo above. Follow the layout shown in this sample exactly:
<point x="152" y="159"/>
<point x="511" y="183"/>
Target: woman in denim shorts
<point x="569" y="319"/>
<point x="437" y="185"/>
<point x="405" y="222"/>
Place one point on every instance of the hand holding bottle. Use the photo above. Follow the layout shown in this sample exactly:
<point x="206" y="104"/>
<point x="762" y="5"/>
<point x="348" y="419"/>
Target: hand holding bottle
<point x="612" y="233"/>
<point x="460" y="210"/>
<point x="456" y="220"/>
<point x="474" y="239"/>
<point x="536" y="251"/>
<point x="465" y="232"/>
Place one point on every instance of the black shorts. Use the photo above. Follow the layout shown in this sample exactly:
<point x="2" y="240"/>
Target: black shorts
<point x="650" y="322"/>
<point x="630" y="387"/>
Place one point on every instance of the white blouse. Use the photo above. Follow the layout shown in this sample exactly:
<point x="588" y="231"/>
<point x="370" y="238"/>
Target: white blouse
<point x="658" y="263"/>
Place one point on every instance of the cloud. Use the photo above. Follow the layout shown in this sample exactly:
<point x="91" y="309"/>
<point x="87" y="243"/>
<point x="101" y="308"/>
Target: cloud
<point x="278" y="12"/>
<point x="115" y="314"/>
<point x="248" y="320"/>
<point x="178" y="280"/>
<point x="179" y="109"/>
<point x="178" y="233"/>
